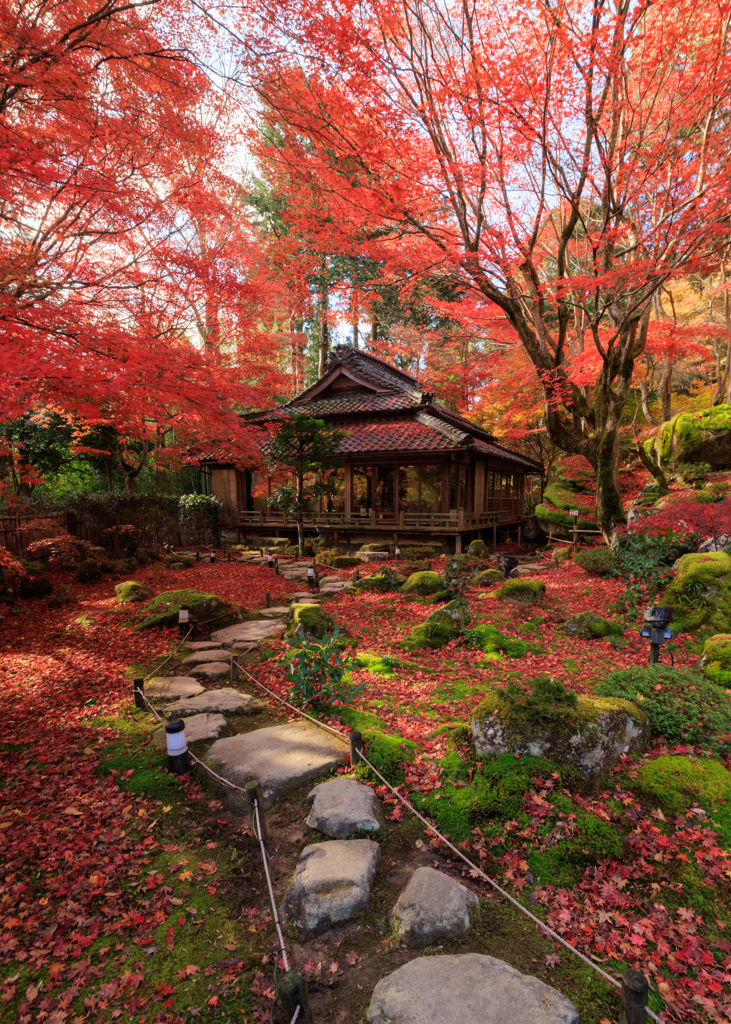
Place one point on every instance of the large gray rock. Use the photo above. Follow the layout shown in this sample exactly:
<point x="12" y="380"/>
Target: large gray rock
<point x="224" y="701"/>
<point x="170" y="687"/>
<point x="469" y="989"/>
<point x="212" y="670"/>
<point x="203" y="645"/>
<point x="343" y="806"/>
<point x="433" y="906"/>
<point x="197" y="728"/>
<point x="332" y="883"/>
<point x="247" y="631"/>
<point x="204" y="657"/>
<point x="280" y="757"/>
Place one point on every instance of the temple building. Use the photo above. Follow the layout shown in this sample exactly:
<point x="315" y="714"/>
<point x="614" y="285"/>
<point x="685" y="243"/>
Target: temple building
<point x="412" y="471"/>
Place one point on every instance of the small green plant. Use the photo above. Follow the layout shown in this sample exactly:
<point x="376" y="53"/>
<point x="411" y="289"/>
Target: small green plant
<point x="642" y="563"/>
<point x="694" y="474"/>
<point x="682" y="706"/>
<point x="547" y="700"/>
<point x="599" y="561"/>
<point x="387" y="579"/>
<point x="457" y="580"/>
<point x="317" y="671"/>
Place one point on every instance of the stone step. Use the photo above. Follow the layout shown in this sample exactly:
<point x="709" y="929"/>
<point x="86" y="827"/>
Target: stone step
<point x="248" y="631"/>
<point x="171" y="687"/>
<point x="197" y="728"/>
<point x="466" y="989"/>
<point x="216" y="653"/>
<point x="280" y="757"/>
<point x="223" y="700"/>
<point x="277" y="611"/>
<point x="202" y="645"/>
<point x="212" y="670"/>
<point x="343" y="806"/>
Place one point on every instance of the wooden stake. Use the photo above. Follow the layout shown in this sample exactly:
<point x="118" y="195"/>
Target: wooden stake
<point x="356" y="744"/>
<point x="267" y="600"/>
<point x="293" y="993"/>
<point x="633" y="998"/>
<point x="253" y="790"/>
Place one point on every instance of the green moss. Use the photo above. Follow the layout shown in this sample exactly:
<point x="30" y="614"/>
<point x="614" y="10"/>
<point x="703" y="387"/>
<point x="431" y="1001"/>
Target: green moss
<point x="559" y="496"/>
<point x="575" y="473"/>
<point x="387" y="752"/>
<point x="478" y="550"/>
<point x="590" y="626"/>
<point x="377" y="663"/>
<point x="488" y="576"/>
<point x="716" y="659"/>
<point x="358" y="720"/>
<point x="492" y="641"/>
<point x="443" y="625"/>
<point x="548" y="514"/>
<point x="142" y="769"/>
<point x="312" y="617"/>
<point x="700" y="594"/>
<point x="522" y="591"/>
<point x="132" y="591"/>
<point x="163" y="609"/>
<point x="692" y="436"/>
<point x="599" y="561"/>
<point x="345" y="562"/>
<point x="680" y="781"/>
<point x="423" y="583"/>
<point x="560" y="555"/>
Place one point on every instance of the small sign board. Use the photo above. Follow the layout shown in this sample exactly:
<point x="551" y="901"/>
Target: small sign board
<point x="573" y="511"/>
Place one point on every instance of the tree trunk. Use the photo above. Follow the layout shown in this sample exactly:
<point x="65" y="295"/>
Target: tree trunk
<point x="645" y="403"/>
<point x="666" y="391"/>
<point x="653" y="468"/>
<point x="355" y="335"/>
<point x="324" y="338"/>
<point x="301" y="515"/>
<point x="374" y="332"/>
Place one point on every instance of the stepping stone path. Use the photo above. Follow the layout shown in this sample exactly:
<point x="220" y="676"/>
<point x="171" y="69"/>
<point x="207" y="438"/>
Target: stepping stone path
<point x="467" y="989"/>
<point x="332" y="883"/>
<point x="433" y="906"/>
<point x="280" y="757"/>
<point x="333" y="880"/>
<point x="225" y="699"/>
<point x="248" y="631"/>
<point x="170" y="687"/>
<point x="342" y="806"/>
<point x="197" y="728"/>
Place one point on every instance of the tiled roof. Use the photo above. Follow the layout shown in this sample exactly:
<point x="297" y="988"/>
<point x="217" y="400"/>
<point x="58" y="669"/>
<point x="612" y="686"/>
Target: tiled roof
<point x="350" y="403"/>
<point x="371" y="367"/>
<point x="504" y="453"/>
<point x="392" y="435"/>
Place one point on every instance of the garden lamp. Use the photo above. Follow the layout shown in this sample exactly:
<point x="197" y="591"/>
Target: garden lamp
<point x="509" y="565"/>
<point x="270" y="560"/>
<point x="183" y="619"/>
<point x="213" y="557"/>
<point x="656" y="629"/>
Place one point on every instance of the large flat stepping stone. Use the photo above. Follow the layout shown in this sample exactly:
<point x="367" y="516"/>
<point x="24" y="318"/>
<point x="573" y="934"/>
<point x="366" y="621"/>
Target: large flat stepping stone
<point x="341" y="807"/>
<point x="226" y="701"/>
<point x="212" y="670"/>
<point x="280" y="757"/>
<point x="332" y="883"/>
<point x="305" y="597"/>
<point x="170" y="687"/>
<point x="215" y="653"/>
<point x="197" y="728"/>
<point x="277" y="611"/>
<point x="203" y="645"/>
<point x="433" y="906"/>
<point x="468" y="989"/>
<point x="247" y="631"/>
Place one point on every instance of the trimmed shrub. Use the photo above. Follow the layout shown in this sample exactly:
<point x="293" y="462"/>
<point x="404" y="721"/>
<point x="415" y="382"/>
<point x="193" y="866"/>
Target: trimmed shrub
<point x="89" y="572"/>
<point x="478" y="550"/>
<point x="598" y="561"/>
<point x="345" y="562"/>
<point x="682" y="706"/>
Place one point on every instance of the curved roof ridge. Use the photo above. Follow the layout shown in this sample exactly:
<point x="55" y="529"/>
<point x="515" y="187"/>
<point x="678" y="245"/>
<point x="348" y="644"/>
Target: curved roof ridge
<point x="348" y="354"/>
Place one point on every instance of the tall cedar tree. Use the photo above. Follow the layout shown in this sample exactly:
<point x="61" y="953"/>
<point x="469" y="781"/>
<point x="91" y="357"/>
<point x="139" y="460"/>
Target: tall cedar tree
<point x="564" y="164"/>
<point x="305" y="447"/>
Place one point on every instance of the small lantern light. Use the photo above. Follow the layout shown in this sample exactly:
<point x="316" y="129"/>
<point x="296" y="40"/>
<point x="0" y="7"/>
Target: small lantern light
<point x="183" y="619"/>
<point x="310" y="576"/>
<point x="509" y="566"/>
<point x="656" y="629"/>
<point x="270" y="560"/>
<point x="213" y="556"/>
<point x="397" y="552"/>
<point x="178" y="760"/>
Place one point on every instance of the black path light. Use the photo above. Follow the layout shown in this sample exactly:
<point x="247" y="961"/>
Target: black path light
<point x="213" y="556"/>
<point x="311" y="576"/>
<point x="183" y="619"/>
<point x="656" y="629"/>
<point x="509" y="566"/>
<point x="178" y="759"/>
<point x="270" y="560"/>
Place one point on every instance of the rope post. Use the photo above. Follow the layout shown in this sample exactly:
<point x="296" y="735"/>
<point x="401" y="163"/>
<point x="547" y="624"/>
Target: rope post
<point x="293" y="993"/>
<point x="178" y="759"/>
<point x="197" y="556"/>
<point x="267" y="600"/>
<point x="254" y="792"/>
<point x="633" y="998"/>
<point x="228" y="554"/>
<point x="356" y="745"/>
<point x="234" y="668"/>
<point x="138" y="691"/>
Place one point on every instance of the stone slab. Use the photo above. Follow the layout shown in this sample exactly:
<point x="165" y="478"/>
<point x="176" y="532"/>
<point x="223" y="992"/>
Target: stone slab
<point x="467" y="989"/>
<point x="277" y="611"/>
<point x="170" y="687"/>
<point x="280" y="757"/>
<point x="215" y="653"/>
<point x="226" y="700"/>
<point x="332" y="883"/>
<point x="343" y="806"/>
<point x="197" y="728"/>
<point x="433" y="906"/>
<point x="202" y="645"/>
<point x="248" y="631"/>
<point x="212" y="670"/>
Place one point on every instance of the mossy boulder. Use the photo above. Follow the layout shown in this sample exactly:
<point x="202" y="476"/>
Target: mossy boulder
<point x="312" y="618"/>
<point x="560" y="555"/>
<point x="716" y="659"/>
<point x="345" y="562"/>
<point x="575" y="474"/>
<point x="700" y="594"/>
<point x="559" y="496"/>
<point x="591" y="735"/>
<point x="478" y="550"/>
<point x="443" y="625"/>
<point x="522" y="591"/>
<point x="380" y="546"/>
<point x="678" y="782"/>
<point x="178" y="560"/>
<point x="89" y="572"/>
<point x="163" y="609"/>
<point x="488" y="576"/>
<point x="695" y="437"/>
<point x="494" y="643"/>
<point x="376" y="581"/>
<point x="131" y="592"/>
<point x="423" y="583"/>
<point x="590" y="626"/>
